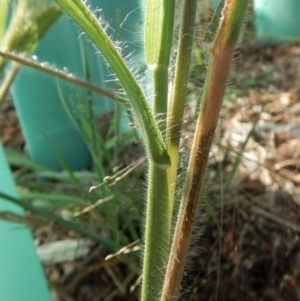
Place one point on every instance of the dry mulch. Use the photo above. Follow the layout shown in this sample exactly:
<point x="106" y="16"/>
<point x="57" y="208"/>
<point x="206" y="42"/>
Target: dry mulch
<point x="10" y="130"/>
<point x="254" y="251"/>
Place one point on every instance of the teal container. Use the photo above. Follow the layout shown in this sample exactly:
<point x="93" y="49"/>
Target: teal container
<point x="277" y="21"/>
<point x="21" y="274"/>
<point x="36" y="96"/>
<point x="214" y="3"/>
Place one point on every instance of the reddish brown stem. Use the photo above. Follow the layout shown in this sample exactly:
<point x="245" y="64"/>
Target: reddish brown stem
<point x="211" y="105"/>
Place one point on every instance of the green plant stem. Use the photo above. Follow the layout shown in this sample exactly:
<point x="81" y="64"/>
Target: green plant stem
<point x="215" y="84"/>
<point x="156" y="236"/>
<point x="158" y="223"/>
<point x="158" y="43"/>
<point x="160" y="100"/>
<point x="186" y="37"/>
<point x="159" y="31"/>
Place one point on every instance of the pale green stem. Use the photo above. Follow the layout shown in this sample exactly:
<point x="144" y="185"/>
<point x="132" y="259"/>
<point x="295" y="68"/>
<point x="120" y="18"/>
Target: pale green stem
<point x="158" y="42"/>
<point x="160" y="83"/>
<point x="3" y="16"/>
<point x="160" y="99"/>
<point x="158" y="221"/>
<point x="186" y="37"/>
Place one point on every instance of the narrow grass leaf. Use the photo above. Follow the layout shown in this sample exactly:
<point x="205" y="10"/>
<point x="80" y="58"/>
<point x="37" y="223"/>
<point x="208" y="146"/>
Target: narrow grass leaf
<point x="239" y="156"/>
<point x="70" y="225"/>
<point x="159" y="31"/>
<point x="22" y="160"/>
<point x="214" y="23"/>
<point x="53" y="199"/>
<point x="66" y="167"/>
<point x="3" y="16"/>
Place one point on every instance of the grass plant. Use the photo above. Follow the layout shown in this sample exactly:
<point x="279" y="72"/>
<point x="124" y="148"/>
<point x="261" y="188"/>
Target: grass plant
<point x="159" y="120"/>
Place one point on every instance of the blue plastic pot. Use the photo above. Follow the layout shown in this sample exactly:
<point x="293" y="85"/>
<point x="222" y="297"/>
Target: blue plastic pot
<point x="277" y="21"/>
<point x="21" y="274"/>
<point x="36" y="97"/>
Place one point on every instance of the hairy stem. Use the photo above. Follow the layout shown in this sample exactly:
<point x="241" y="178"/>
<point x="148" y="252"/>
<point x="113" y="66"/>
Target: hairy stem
<point x="186" y="37"/>
<point x="156" y="236"/>
<point x="158" y="42"/>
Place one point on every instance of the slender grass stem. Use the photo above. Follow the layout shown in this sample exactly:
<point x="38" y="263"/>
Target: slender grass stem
<point x="156" y="236"/>
<point x="158" y="43"/>
<point x="186" y="37"/>
<point x="160" y="99"/>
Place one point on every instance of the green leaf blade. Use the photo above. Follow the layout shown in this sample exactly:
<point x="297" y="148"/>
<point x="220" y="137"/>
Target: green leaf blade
<point x="159" y="31"/>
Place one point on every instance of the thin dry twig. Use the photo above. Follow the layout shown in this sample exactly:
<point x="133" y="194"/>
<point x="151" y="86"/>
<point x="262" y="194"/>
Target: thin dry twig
<point x="275" y="218"/>
<point x="57" y="73"/>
